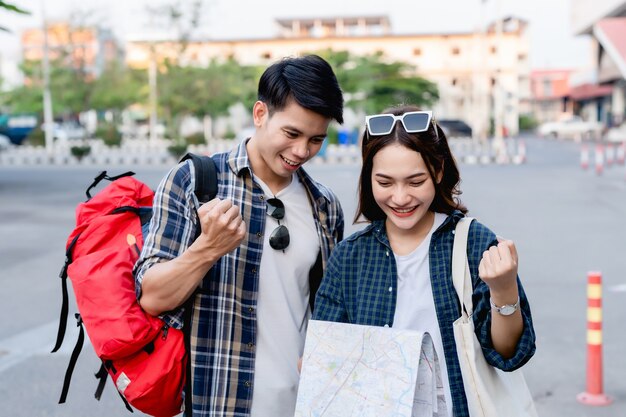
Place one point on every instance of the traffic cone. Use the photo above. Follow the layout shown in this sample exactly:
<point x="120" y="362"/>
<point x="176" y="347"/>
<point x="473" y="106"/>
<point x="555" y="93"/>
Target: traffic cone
<point x="599" y="159"/>
<point x="609" y="155"/>
<point x="621" y="153"/>
<point x="521" y="151"/>
<point x="584" y="156"/>
<point x="594" y="395"/>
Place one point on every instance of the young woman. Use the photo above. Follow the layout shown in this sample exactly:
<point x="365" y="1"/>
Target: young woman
<point x="397" y="271"/>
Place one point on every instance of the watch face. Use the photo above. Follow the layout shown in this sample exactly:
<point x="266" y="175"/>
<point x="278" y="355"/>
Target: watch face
<point x="507" y="310"/>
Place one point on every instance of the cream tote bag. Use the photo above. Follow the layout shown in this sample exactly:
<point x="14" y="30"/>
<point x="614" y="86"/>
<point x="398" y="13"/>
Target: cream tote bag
<point x="490" y="392"/>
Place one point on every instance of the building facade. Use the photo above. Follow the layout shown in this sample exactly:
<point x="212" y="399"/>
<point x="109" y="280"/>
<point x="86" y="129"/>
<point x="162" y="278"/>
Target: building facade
<point x="604" y="21"/>
<point x="88" y="49"/>
<point x="477" y="73"/>
<point x="550" y="90"/>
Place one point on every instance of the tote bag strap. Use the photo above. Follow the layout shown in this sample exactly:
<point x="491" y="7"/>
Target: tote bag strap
<point x="460" y="269"/>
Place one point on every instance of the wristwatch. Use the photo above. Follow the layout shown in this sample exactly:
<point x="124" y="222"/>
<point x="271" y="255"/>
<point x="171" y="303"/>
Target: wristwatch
<point x="507" y="309"/>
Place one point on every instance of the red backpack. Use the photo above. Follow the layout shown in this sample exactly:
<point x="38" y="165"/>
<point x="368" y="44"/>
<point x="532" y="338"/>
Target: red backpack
<point x="145" y="358"/>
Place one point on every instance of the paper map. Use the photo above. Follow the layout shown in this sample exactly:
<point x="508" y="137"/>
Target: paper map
<point x="352" y="370"/>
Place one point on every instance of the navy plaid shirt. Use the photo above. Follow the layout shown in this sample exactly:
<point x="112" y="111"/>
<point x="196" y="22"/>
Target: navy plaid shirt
<point x="362" y="269"/>
<point x="223" y="326"/>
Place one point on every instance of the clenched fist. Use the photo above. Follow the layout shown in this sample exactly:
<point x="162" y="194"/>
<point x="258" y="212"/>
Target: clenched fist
<point x="222" y="226"/>
<point x="498" y="267"/>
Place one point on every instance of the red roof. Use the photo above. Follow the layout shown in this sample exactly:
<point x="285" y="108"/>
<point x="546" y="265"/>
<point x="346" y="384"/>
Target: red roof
<point x="587" y="91"/>
<point x="611" y="33"/>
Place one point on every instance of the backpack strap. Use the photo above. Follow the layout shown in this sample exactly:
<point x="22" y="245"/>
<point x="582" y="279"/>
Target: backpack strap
<point x="70" y="367"/>
<point x="103" y="176"/>
<point x="205" y="190"/>
<point x="206" y="176"/>
<point x="65" y="304"/>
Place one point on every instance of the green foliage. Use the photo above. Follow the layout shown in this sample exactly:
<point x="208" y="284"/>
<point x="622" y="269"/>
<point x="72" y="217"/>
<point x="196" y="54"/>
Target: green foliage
<point x="177" y="150"/>
<point x="11" y="8"/>
<point x="118" y="87"/>
<point x="371" y="83"/>
<point x="195" y="139"/>
<point x="72" y="92"/>
<point x="332" y="136"/>
<point x="205" y="91"/>
<point x="36" y="137"/>
<point x="527" y="122"/>
<point x="24" y="99"/>
<point x="109" y="134"/>
<point x="80" y="151"/>
<point x="229" y="134"/>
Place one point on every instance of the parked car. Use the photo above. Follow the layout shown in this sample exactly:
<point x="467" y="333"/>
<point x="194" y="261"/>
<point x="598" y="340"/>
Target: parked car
<point x="16" y="127"/>
<point x="617" y="134"/>
<point x="455" y="128"/>
<point x="5" y="142"/>
<point x="64" y="131"/>
<point x="573" y="127"/>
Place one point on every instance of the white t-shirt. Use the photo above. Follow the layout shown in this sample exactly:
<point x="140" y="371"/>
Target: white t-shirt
<point x="283" y="304"/>
<point x="415" y="305"/>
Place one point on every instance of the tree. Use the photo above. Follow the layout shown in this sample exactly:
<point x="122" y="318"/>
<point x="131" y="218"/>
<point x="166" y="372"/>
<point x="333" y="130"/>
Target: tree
<point x="208" y="91"/>
<point x="11" y="8"/>
<point x="372" y="84"/>
<point x="118" y="87"/>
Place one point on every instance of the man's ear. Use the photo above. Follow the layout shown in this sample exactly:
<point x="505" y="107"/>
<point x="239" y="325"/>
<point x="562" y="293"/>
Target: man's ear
<point x="259" y="113"/>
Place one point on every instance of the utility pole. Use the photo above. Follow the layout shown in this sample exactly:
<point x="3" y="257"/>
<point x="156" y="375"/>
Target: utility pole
<point x="480" y="102"/>
<point x="47" y="98"/>
<point x="498" y="98"/>
<point x="152" y="80"/>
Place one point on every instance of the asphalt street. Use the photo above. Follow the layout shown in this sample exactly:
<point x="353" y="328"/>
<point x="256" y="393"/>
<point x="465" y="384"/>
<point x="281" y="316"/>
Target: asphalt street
<point x="565" y="222"/>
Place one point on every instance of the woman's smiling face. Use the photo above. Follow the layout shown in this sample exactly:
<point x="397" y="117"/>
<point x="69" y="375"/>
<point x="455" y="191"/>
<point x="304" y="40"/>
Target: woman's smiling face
<point x="403" y="188"/>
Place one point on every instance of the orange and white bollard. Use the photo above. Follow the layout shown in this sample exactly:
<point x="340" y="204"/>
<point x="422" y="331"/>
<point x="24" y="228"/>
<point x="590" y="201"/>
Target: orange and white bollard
<point x="584" y="156"/>
<point x="521" y="151"/>
<point x="620" y="153"/>
<point x="610" y="154"/>
<point x="594" y="395"/>
<point x="599" y="154"/>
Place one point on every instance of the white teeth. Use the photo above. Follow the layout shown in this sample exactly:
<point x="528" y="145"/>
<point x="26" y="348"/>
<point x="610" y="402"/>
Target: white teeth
<point x="290" y="162"/>
<point x="404" y="210"/>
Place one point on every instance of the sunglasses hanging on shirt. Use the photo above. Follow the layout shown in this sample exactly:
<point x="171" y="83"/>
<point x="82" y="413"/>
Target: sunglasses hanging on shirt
<point x="279" y="239"/>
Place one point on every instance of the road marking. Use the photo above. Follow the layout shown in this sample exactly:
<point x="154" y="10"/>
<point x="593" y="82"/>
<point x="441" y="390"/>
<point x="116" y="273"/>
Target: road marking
<point x="618" y="288"/>
<point x="37" y="341"/>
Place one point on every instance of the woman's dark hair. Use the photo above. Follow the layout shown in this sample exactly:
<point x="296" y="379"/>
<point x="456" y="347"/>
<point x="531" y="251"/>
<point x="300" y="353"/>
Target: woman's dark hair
<point x="309" y="80"/>
<point x="432" y="145"/>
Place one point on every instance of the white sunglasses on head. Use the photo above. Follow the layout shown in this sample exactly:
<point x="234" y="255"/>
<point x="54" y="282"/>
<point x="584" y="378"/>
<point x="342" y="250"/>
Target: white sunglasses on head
<point x="413" y="122"/>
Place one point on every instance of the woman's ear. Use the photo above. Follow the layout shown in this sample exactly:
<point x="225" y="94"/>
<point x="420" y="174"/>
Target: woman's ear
<point x="439" y="176"/>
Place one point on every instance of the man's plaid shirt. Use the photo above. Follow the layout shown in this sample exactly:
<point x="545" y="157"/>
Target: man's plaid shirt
<point x="223" y="330"/>
<point x="360" y="287"/>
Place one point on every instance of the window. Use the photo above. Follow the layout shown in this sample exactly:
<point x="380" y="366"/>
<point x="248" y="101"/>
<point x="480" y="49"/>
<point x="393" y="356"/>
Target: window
<point x="417" y="52"/>
<point x="456" y="50"/>
<point x="547" y="88"/>
<point x="266" y="55"/>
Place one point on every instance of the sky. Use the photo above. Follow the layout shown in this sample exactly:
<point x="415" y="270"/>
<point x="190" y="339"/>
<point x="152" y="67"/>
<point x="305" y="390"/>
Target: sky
<point x="552" y="42"/>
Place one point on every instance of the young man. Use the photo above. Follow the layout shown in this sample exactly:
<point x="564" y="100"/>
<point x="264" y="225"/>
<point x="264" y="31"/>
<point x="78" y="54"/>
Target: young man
<point x="255" y="261"/>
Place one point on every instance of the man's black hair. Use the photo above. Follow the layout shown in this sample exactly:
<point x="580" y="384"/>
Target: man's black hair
<point x="309" y="80"/>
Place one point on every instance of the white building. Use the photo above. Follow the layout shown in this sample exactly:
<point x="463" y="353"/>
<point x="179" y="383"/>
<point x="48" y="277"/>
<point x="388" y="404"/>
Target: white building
<point x="605" y="22"/>
<point x="470" y="69"/>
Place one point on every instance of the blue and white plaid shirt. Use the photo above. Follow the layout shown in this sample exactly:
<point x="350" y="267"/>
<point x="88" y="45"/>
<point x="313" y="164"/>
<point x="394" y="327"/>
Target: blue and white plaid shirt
<point x="223" y="326"/>
<point x="360" y="287"/>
